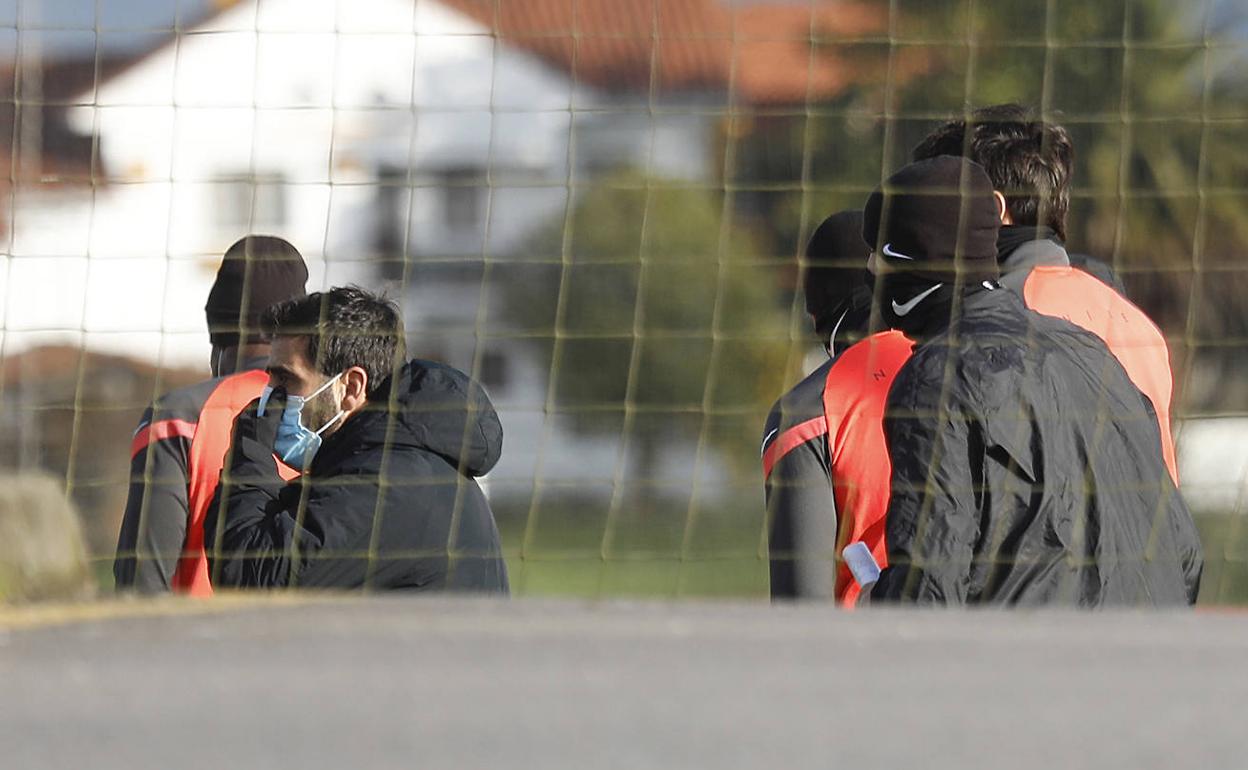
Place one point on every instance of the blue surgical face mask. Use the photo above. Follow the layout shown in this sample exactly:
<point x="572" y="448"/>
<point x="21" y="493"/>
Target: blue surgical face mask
<point x="296" y="444"/>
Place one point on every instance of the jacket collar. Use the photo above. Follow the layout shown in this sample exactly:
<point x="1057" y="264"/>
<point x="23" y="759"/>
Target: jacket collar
<point x="1018" y="254"/>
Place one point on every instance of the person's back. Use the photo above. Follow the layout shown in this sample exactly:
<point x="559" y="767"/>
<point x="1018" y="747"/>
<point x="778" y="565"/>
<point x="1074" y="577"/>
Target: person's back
<point x="176" y="459"/>
<point x="1026" y="466"/>
<point x="1062" y="497"/>
<point x="827" y="469"/>
<point x="177" y="452"/>
<point x="1098" y="269"/>
<point x="1134" y="340"/>
<point x="1030" y="162"/>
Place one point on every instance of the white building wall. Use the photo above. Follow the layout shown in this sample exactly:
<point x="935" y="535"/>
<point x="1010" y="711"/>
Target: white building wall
<point x="280" y="117"/>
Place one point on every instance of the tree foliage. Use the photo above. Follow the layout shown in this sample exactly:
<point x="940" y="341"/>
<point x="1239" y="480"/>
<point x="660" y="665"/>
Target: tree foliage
<point x="1154" y="96"/>
<point x="663" y="320"/>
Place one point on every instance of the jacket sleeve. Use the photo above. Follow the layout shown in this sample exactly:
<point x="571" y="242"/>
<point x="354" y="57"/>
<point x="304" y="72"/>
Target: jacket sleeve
<point x="1191" y="554"/>
<point x="310" y="532"/>
<point x="153" y="527"/>
<point x="932" y="523"/>
<point x="331" y="532"/>
<point x="802" y="517"/>
<point x="253" y="529"/>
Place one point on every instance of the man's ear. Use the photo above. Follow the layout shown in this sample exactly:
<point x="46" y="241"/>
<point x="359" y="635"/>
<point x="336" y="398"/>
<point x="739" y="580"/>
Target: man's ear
<point x="355" y="382"/>
<point x="1003" y="212"/>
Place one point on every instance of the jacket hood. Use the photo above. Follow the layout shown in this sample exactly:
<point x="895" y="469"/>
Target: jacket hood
<point x="436" y="408"/>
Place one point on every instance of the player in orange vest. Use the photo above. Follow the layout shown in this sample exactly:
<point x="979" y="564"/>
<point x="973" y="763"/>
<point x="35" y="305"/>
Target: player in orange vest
<point x="825" y="464"/>
<point x="180" y="444"/>
<point x="1030" y="162"/>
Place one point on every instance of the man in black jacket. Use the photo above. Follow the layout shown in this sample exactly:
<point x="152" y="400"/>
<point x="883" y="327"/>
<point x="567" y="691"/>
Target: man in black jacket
<point x="389" y="451"/>
<point x="1030" y="162"/>
<point x="1026" y="467"/>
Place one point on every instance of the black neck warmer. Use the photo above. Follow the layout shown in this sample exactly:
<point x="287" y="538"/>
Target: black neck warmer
<point x="1012" y="236"/>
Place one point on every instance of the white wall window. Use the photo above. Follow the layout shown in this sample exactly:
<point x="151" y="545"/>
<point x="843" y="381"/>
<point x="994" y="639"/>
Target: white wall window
<point x="463" y="200"/>
<point x="251" y="203"/>
<point x="493" y="372"/>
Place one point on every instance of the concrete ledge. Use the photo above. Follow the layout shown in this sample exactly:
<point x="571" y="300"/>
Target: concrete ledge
<point x="332" y="682"/>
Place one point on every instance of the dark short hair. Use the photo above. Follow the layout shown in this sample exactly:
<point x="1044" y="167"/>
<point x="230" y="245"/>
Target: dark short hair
<point x="345" y="326"/>
<point x="1029" y="160"/>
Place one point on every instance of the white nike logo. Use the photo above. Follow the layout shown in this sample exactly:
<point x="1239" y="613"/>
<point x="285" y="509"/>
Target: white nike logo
<point x="832" y="336"/>
<point x="888" y="252"/>
<point x="903" y="310"/>
<point x="767" y="439"/>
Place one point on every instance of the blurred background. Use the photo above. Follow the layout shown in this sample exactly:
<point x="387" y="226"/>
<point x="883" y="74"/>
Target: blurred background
<point x="596" y="207"/>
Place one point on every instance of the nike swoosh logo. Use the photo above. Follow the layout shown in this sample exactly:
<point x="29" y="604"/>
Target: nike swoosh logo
<point x="904" y="310"/>
<point x="888" y="252"/>
<point x="767" y="439"/>
<point x="832" y="336"/>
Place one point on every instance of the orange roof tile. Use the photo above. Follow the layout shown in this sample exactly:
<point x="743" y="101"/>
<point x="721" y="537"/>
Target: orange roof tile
<point x="764" y="52"/>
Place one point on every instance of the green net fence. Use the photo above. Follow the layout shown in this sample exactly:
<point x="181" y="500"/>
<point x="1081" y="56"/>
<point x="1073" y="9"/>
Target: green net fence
<point x="597" y="208"/>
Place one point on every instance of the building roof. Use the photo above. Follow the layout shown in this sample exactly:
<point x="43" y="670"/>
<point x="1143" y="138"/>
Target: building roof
<point x="63" y="155"/>
<point x="764" y="52"/>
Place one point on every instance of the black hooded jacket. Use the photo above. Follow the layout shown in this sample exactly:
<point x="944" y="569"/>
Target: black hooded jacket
<point x="1026" y="470"/>
<point x="389" y="501"/>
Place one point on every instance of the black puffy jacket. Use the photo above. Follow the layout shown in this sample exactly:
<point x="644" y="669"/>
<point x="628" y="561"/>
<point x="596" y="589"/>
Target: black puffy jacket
<point x="389" y="501"/>
<point x="1027" y="470"/>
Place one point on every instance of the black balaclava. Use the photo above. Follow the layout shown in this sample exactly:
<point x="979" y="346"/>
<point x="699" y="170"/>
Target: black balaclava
<point x="837" y="294"/>
<point x="933" y="226"/>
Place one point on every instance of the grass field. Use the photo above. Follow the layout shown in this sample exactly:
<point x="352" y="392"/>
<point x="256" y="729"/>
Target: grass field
<point x="1225" y="538"/>
<point x="566" y="558"/>
<point x="650" y="555"/>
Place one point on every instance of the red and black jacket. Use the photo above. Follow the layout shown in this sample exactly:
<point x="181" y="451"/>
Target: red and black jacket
<point x="826" y="469"/>
<point x="175" y="465"/>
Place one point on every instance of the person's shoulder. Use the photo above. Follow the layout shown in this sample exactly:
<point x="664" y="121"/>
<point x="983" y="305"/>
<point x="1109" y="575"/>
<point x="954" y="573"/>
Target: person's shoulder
<point x="990" y="319"/>
<point x="184" y="403"/>
<point x="1064" y="334"/>
<point x="802" y="402"/>
<point x="430" y="377"/>
<point x="1076" y="296"/>
<point x="1098" y="269"/>
<point x="988" y="345"/>
<point x="926" y="364"/>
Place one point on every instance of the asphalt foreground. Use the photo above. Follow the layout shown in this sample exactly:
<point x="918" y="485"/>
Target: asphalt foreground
<point x="443" y="683"/>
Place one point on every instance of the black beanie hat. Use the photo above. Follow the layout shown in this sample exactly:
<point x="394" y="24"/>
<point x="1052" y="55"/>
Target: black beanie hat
<point x="936" y="219"/>
<point x="836" y="262"/>
<point x="256" y="272"/>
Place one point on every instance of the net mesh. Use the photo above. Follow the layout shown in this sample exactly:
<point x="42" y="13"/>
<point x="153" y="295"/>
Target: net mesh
<point x="597" y="209"/>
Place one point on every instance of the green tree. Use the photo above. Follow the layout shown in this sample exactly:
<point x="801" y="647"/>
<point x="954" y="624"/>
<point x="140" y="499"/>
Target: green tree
<point x="664" y="322"/>
<point x="1155" y="102"/>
